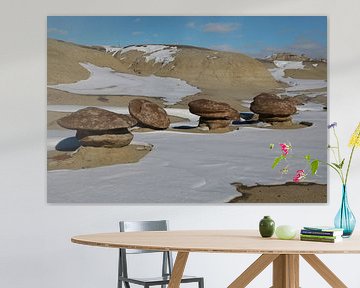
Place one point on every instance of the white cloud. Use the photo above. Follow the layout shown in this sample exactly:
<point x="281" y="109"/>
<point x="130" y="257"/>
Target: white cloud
<point x="224" y="47"/>
<point x="191" y="25"/>
<point x="220" y="27"/>
<point x="57" y="31"/>
<point x="137" y="33"/>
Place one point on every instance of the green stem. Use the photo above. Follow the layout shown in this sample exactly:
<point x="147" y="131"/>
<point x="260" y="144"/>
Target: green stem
<point x="334" y="154"/>
<point x="336" y="169"/>
<point x="351" y="156"/>
<point x="340" y="159"/>
<point x="348" y="167"/>
<point x="337" y="144"/>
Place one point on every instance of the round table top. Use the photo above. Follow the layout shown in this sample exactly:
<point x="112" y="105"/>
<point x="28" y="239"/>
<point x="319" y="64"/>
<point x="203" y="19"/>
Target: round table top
<point x="219" y="241"/>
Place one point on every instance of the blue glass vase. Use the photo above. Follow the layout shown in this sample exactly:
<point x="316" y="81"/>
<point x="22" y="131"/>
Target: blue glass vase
<point x="345" y="219"/>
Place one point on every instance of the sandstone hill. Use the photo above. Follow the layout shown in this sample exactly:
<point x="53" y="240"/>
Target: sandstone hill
<point x="226" y="75"/>
<point x="202" y="67"/>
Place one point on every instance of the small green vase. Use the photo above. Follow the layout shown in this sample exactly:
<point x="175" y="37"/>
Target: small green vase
<point x="267" y="227"/>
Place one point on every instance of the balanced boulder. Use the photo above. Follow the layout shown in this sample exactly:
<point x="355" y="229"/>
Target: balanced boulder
<point x="272" y="108"/>
<point x="212" y="109"/>
<point x="213" y="114"/>
<point x="149" y="114"/>
<point x="99" y="128"/>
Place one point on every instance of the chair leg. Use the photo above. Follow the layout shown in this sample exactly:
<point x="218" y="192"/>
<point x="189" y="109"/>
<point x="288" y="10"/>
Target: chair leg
<point x="201" y="283"/>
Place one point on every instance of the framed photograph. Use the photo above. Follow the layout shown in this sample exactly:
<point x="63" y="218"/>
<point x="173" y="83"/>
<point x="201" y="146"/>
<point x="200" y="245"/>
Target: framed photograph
<point x="187" y="109"/>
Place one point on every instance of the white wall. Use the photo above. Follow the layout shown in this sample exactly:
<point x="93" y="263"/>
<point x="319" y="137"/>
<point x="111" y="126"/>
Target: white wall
<point x="35" y="248"/>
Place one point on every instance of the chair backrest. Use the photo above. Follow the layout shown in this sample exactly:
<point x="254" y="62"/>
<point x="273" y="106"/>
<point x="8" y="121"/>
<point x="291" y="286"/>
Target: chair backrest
<point x="134" y="226"/>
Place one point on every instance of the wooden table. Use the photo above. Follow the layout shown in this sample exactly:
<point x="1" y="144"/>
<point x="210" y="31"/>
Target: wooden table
<point x="284" y="254"/>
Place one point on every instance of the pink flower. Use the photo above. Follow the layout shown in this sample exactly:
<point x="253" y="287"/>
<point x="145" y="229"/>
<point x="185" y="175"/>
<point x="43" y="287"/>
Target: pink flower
<point x="300" y="175"/>
<point x="285" y="148"/>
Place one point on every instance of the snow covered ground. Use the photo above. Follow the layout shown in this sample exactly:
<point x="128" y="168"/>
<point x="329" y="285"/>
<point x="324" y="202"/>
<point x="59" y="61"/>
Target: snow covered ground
<point x="296" y="85"/>
<point x="189" y="168"/>
<point x="184" y="167"/>
<point x="105" y="81"/>
<point x="159" y="53"/>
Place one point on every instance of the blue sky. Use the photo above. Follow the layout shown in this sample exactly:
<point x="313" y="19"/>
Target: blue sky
<point x="257" y="36"/>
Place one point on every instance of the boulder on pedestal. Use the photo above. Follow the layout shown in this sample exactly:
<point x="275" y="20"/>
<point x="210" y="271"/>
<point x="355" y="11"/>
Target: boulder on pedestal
<point x="213" y="110"/>
<point x="213" y="114"/>
<point x="99" y="128"/>
<point x="272" y="108"/>
<point x="149" y="114"/>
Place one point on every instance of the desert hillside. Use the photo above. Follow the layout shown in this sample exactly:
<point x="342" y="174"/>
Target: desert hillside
<point x="217" y="73"/>
<point x="201" y="67"/>
<point x="63" y="60"/>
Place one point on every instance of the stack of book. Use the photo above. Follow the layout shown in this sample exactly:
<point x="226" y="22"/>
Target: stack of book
<point x="321" y="234"/>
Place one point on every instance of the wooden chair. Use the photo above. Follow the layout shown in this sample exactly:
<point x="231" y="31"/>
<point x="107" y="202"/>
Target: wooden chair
<point x="167" y="262"/>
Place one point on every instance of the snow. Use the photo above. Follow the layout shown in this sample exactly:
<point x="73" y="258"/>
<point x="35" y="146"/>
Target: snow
<point x="147" y="49"/>
<point x="310" y="107"/>
<point x="295" y="84"/>
<point x="289" y="64"/>
<point x="189" y="167"/>
<point x="159" y="53"/>
<point x="112" y="50"/>
<point x="105" y="81"/>
<point x="164" y="56"/>
<point x="296" y="93"/>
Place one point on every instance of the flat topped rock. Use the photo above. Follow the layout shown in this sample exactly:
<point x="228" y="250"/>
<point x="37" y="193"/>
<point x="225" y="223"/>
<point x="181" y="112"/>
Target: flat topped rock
<point x="92" y="118"/>
<point x="212" y="109"/>
<point x="272" y="106"/>
<point x="149" y="114"/>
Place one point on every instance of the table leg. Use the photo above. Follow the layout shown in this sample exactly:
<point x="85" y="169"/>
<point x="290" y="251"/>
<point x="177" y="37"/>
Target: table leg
<point x="324" y="271"/>
<point x="286" y="271"/>
<point x="178" y="269"/>
<point x="253" y="270"/>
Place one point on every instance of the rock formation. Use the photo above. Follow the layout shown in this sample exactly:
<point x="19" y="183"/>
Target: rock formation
<point x="149" y="114"/>
<point x="272" y="108"/>
<point x="288" y="57"/>
<point x="99" y="128"/>
<point x="213" y="114"/>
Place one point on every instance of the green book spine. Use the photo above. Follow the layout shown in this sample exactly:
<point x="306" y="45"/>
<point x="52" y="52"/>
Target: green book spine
<point x="318" y="236"/>
<point x="320" y="240"/>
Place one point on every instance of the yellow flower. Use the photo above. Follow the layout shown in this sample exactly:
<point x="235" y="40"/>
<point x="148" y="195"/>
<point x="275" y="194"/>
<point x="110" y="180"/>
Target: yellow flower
<point x="355" y="138"/>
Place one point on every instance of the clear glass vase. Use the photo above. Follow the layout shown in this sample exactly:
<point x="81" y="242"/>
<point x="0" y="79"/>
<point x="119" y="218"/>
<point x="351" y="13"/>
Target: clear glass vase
<point x="345" y="219"/>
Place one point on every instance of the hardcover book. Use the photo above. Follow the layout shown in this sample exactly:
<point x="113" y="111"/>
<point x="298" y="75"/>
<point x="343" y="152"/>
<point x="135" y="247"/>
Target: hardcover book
<point x="321" y="233"/>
